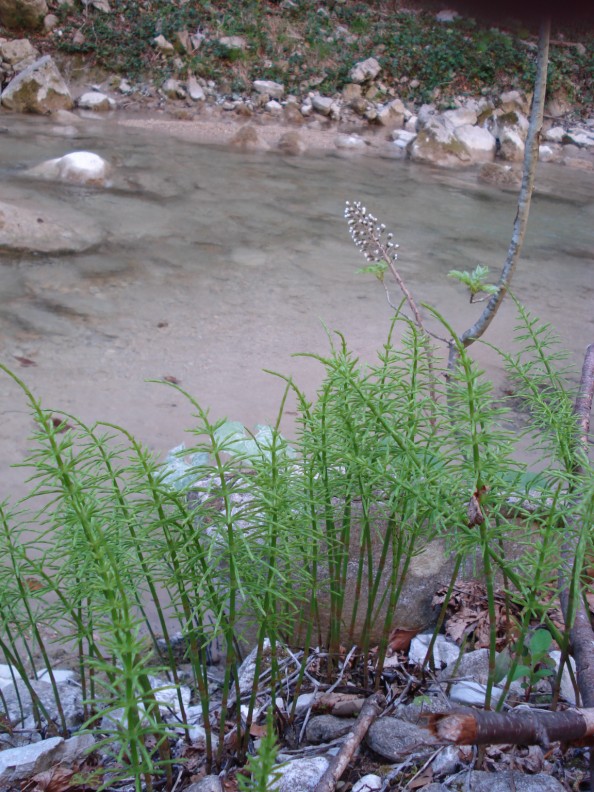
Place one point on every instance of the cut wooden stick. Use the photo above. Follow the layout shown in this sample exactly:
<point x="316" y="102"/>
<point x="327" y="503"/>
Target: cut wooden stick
<point x="518" y="727"/>
<point x="369" y="712"/>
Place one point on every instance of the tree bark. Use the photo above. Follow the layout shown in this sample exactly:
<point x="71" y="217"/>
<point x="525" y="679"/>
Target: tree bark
<point x="519" y="727"/>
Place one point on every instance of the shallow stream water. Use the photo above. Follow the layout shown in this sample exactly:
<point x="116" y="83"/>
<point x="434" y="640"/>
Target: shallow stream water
<point x="218" y="264"/>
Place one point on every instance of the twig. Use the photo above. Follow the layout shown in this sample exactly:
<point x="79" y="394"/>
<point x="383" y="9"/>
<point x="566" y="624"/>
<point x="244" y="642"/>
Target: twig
<point x="369" y="712"/>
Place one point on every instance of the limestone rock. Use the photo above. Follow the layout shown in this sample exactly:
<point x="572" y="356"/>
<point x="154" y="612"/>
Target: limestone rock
<point x="234" y="43"/>
<point x="392" y="114"/>
<point x="272" y="89"/>
<point x="246" y="138"/>
<point x="37" y="89"/>
<point x="164" y="46"/>
<point x="19" y="764"/>
<point x="300" y="775"/>
<point x="97" y="101"/>
<point x="50" y="22"/>
<point x="19" y="14"/>
<point x="395" y="740"/>
<point x="447" y="15"/>
<point x="437" y="144"/>
<point x="324" y="728"/>
<point x="515" y="101"/>
<point x="322" y="104"/>
<point x="273" y="107"/>
<point x="19" y="233"/>
<point x="292" y="114"/>
<point x="365" y="71"/>
<point x="19" y="53"/>
<point x="504" y="780"/>
<point x="195" y="90"/>
<point x="511" y="132"/>
<point x="368" y="783"/>
<point x="78" y="167"/>
<point x="505" y="176"/>
<point x="461" y="116"/>
<point x="402" y="139"/>
<point x="558" y="105"/>
<point x="292" y="143"/>
<point x="479" y="142"/>
<point x="351" y="91"/>
<point x="352" y="142"/>
<point x="554" y="134"/>
<point x="173" y="89"/>
<point x="210" y="783"/>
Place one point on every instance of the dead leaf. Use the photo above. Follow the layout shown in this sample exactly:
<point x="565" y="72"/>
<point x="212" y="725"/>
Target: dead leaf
<point x="399" y="640"/>
<point x="56" y="779"/>
<point x="25" y="361"/>
<point x="60" y="424"/>
<point x="173" y="380"/>
<point x="162" y="324"/>
<point x="257" y="730"/>
<point x="33" y="584"/>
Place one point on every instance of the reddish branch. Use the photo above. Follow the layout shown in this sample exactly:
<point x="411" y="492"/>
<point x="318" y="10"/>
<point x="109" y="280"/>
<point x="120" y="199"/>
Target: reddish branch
<point x="369" y="712"/>
<point x="519" y="727"/>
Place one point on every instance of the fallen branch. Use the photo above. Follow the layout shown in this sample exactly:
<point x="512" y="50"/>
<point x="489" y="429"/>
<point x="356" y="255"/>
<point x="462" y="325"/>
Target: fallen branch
<point x="369" y="712"/>
<point x="518" y="727"/>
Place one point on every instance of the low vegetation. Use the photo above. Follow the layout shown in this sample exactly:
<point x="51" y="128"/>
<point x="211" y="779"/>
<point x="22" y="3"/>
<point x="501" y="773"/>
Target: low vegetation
<point x="313" y="46"/>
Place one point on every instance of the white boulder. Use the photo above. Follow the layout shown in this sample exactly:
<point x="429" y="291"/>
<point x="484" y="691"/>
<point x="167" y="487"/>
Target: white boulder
<point x="78" y="167"/>
<point x="31" y="229"/>
<point x="18" y="53"/>
<point x="272" y="89"/>
<point x="97" y="101"/>
<point x="364" y="71"/>
<point x="195" y="90"/>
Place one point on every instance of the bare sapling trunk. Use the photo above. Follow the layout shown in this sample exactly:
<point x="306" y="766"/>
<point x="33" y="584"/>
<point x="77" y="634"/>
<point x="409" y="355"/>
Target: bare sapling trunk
<point x="524" y="198"/>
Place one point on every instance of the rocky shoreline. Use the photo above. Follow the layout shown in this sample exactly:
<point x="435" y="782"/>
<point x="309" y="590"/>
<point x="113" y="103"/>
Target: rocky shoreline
<point x="488" y="132"/>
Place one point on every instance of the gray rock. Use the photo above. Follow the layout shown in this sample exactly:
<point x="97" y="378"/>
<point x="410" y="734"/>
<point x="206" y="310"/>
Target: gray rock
<point x="392" y="114"/>
<point x="95" y="100"/>
<point x="323" y="104"/>
<point x="18" y="764"/>
<point x="19" y="14"/>
<point x="365" y="71"/>
<point x="300" y="775"/>
<point x="37" y="89"/>
<point x="395" y="739"/>
<point x="479" y="143"/>
<point x="369" y="783"/>
<point x="18" y="53"/>
<point x="195" y="90"/>
<point x="272" y="89"/>
<point x="444" y="651"/>
<point x="233" y="42"/>
<point x="273" y="107"/>
<point x="447" y="15"/>
<point x="446" y="762"/>
<point x="211" y="783"/>
<point x="26" y="228"/>
<point x="515" y="101"/>
<point x="164" y="46"/>
<point x="554" y="134"/>
<point x="173" y="89"/>
<point x="352" y="142"/>
<point x="461" y="116"/>
<point x="325" y="728"/>
<point x="504" y="780"/>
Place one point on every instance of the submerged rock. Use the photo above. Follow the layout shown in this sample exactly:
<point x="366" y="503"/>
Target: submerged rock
<point x="78" y="167"/>
<point x="32" y="229"/>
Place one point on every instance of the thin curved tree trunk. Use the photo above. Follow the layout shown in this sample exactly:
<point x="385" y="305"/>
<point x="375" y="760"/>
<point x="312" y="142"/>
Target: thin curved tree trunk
<point x="524" y="198"/>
